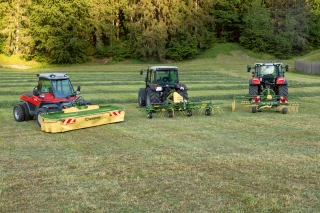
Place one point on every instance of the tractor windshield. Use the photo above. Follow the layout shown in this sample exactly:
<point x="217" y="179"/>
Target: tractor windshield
<point x="167" y="76"/>
<point x="62" y="88"/>
<point x="268" y="70"/>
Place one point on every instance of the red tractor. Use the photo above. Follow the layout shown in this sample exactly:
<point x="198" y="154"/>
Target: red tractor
<point x="268" y="75"/>
<point x="53" y="93"/>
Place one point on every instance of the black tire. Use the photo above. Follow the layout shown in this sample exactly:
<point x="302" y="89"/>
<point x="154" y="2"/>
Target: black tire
<point x="150" y="115"/>
<point x="284" y="110"/>
<point x="26" y="112"/>
<point x="183" y="93"/>
<point x="170" y="114"/>
<point x="152" y="97"/>
<point x="142" y="97"/>
<point x="253" y="90"/>
<point x="40" y="111"/>
<point x="254" y="109"/>
<point x="283" y="90"/>
<point x="207" y="112"/>
<point x="18" y="113"/>
<point x="189" y="113"/>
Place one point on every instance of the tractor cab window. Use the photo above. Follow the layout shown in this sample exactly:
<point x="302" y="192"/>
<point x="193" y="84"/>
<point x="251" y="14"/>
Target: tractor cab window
<point x="167" y="76"/>
<point x="268" y="70"/>
<point x="44" y="85"/>
<point x="62" y="88"/>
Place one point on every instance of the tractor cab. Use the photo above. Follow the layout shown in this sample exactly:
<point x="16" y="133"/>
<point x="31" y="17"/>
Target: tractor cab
<point x="162" y="75"/>
<point x="55" y="85"/>
<point x="160" y="82"/>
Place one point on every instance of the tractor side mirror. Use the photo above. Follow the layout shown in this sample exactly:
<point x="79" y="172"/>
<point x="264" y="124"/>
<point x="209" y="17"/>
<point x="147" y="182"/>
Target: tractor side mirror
<point x="78" y="90"/>
<point x="35" y="91"/>
<point x="141" y="72"/>
<point x="287" y="68"/>
<point x="248" y="68"/>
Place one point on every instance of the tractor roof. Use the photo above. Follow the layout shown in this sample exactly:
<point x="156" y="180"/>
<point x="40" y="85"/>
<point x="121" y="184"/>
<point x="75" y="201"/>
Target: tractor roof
<point x="53" y="76"/>
<point x="268" y="64"/>
<point x="163" y="67"/>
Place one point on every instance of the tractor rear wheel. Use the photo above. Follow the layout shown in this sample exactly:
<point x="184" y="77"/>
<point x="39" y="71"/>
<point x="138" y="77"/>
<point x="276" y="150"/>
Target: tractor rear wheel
<point x="40" y="111"/>
<point x="183" y="93"/>
<point x="253" y="90"/>
<point x="283" y="90"/>
<point x="152" y="97"/>
<point x="26" y="112"/>
<point x="142" y="97"/>
<point x="18" y="113"/>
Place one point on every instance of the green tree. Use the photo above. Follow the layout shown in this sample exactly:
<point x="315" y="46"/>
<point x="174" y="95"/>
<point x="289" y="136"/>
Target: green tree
<point x="258" y="33"/>
<point x="314" y="24"/>
<point x="15" y="28"/>
<point x="60" y="30"/>
<point x="227" y="19"/>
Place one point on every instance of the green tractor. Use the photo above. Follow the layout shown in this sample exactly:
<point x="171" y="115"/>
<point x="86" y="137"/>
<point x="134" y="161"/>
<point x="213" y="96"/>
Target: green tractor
<point x="268" y="76"/>
<point x="160" y="81"/>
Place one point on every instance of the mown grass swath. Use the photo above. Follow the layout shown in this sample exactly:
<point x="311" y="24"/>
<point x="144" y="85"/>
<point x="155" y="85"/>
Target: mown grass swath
<point x="228" y="162"/>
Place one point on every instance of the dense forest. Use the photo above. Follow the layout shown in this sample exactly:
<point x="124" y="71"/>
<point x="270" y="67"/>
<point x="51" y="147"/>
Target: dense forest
<point x="71" y="31"/>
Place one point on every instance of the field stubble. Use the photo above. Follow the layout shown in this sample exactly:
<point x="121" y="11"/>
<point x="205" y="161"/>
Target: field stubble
<point x="228" y="162"/>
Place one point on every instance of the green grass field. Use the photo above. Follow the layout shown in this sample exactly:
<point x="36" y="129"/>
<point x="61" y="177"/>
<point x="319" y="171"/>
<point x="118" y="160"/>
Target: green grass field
<point x="228" y="162"/>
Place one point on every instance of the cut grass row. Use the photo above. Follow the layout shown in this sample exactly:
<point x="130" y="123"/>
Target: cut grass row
<point x="228" y="162"/>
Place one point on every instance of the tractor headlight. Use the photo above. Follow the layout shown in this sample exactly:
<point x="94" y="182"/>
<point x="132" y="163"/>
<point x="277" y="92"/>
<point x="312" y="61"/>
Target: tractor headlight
<point x="41" y="95"/>
<point x="158" y="89"/>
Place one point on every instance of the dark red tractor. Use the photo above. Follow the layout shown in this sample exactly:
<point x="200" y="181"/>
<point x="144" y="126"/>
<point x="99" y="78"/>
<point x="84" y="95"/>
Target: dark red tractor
<point x="53" y="93"/>
<point x="268" y="75"/>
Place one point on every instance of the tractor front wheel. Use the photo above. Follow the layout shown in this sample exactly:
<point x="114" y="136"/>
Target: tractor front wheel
<point x="189" y="113"/>
<point x="26" y="112"/>
<point x="170" y="114"/>
<point x="40" y="111"/>
<point x="18" y="113"/>
<point x="150" y="115"/>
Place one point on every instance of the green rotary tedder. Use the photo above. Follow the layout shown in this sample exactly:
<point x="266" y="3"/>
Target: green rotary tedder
<point x="267" y="100"/>
<point x="176" y="103"/>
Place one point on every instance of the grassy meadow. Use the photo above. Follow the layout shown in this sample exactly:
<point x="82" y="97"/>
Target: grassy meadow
<point x="227" y="162"/>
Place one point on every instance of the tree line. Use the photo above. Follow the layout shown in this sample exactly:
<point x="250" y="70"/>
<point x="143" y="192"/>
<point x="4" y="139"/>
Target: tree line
<point x="71" y="31"/>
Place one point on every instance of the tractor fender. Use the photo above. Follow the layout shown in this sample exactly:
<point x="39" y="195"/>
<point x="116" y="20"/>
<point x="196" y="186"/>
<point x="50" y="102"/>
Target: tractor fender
<point x="282" y="81"/>
<point x="254" y="81"/>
